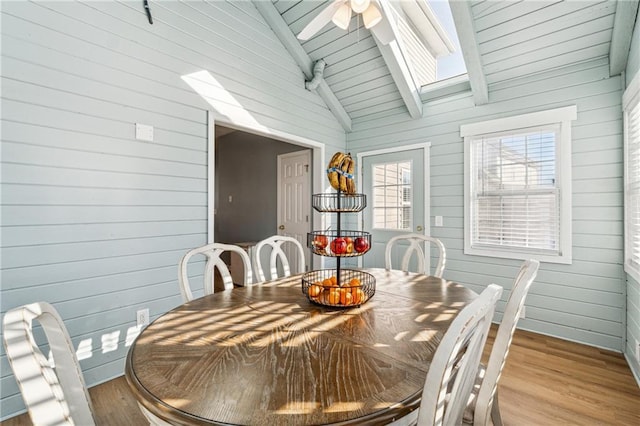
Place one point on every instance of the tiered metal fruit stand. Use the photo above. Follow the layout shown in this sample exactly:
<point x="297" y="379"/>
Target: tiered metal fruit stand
<point x="339" y="287"/>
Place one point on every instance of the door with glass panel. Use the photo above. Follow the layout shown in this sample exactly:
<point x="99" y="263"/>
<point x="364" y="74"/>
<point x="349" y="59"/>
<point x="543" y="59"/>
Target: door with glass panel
<point x="394" y="183"/>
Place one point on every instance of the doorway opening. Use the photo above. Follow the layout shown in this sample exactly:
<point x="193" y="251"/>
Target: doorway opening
<point x="246" y="186"/>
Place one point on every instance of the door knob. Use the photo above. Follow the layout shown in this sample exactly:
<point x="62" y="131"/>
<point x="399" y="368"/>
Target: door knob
<point x="281" y="227"/>
<point x="418" y="228"/>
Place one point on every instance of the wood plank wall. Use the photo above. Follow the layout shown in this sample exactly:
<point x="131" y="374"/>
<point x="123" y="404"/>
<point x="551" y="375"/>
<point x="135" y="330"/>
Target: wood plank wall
<point x="633" y="287"/>
<point x="93" y="220"/>
<point x="584" y="301"/>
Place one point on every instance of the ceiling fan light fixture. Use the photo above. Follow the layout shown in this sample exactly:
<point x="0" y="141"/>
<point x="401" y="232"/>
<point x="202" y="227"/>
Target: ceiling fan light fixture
<point x="360" y="6"/>
<point x="342" y="17"/>
<point x="371" y="16"/>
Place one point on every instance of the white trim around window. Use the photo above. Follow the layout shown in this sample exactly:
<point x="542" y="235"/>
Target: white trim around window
<point x="517" y="186"/>
<point x="631" y="117"/>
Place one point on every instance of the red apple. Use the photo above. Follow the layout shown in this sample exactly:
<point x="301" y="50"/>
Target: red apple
<point x="361" y="244"/>
<point x="320" y="242"/>
<point x="339" y="246"/>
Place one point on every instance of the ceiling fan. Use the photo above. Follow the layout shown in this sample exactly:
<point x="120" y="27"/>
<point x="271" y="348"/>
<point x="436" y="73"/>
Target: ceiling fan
<point x="339" y="12"/>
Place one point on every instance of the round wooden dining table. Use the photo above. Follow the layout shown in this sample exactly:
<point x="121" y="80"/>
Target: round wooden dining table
<point x="266" y="355"/>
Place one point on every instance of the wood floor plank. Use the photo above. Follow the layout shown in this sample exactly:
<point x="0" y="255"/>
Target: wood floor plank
<point x="546" y="381"/>
<point x="549" y="381"/>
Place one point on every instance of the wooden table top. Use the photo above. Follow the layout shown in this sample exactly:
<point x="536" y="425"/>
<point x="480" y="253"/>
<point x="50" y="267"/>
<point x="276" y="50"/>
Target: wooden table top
<point x="265" y="355"/>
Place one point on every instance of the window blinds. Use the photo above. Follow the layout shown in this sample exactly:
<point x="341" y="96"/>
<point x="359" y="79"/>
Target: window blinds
<point x="632" y="118"/>
<point x="515" y="196"/>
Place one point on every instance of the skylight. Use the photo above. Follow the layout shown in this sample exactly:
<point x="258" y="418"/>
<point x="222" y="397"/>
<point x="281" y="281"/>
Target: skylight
<point x="428" y="40"/>
<point x="453" y="64"/>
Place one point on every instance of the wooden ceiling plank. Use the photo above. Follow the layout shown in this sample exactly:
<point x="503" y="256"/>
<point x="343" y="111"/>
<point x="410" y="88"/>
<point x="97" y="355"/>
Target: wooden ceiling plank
<point x="356" y="84"/>
<point x="512" y="11"/>
<point x="560" y="14"/>
<point x="290" y="42"/>
<point x="545" y="35"/>
<point x="516" y="57"/>
<point x="543" y="65"/>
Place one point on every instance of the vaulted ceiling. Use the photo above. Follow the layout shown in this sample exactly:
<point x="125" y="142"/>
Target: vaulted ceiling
<point x="501" y="41"/>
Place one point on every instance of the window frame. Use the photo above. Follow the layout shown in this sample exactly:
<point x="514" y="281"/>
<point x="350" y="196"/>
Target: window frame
<point x="561" y="117"/>
<point x="402" y="204"/>
<point x="630" y="99"/>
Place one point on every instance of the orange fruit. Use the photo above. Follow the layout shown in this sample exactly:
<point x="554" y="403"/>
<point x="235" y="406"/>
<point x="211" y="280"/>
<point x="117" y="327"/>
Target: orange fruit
<point x="327" y="282"/>
<point x="334" y="297"/>
<point x="355" y="282"/>
<point x="319" y="298"/>
<point x="357" y="296"/>
<point x="345" y="296"/>
<point x="315" y="290"/>
<point x="334" y="280"/>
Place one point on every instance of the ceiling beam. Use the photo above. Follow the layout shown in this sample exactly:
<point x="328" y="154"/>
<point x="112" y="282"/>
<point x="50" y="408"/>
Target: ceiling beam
<point x="623" y="23"/>
<point x="401" y="76"/>
<point x="400" y="73"/>
<point x="297" y="52"/>
<point x="463" y="18"/>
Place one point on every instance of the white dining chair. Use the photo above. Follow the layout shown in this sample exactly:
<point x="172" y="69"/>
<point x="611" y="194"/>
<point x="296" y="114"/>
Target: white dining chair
<point x="212" y="253"/>
<point x="53" y="396"/>
<point x="416" y="242"/>
<point x="483" y="406"/>
<point x="454" y="366"/>
<point x="277" y="257"/>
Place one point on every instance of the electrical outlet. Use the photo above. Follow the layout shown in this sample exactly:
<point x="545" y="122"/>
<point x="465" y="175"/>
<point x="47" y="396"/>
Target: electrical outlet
<point x="522" y="314"/>
<point x="638" y="351"/>
<point x="142" y="317"/>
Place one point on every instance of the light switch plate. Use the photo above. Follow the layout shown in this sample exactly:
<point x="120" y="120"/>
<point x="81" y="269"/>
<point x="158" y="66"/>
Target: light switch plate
<point x="438" y="221"/>
<point x="144" y="132"/>
<point x="142" y="317"/>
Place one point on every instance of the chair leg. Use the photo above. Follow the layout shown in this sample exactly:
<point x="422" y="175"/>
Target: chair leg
<point x="495" y="411"/>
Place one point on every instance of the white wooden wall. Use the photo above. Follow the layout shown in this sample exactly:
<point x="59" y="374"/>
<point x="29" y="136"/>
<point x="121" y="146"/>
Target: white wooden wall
<point x="93" y="220"/>
<point x="584" y="301"/>
<point x="633" y="287"/>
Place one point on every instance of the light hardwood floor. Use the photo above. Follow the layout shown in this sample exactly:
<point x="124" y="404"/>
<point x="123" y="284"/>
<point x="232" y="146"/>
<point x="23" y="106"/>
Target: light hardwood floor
<point x="546" y="381"/>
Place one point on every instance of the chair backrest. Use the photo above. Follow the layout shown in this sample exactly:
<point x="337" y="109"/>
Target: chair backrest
<point x="277" y="254"/>
<point x="455" y="363"/>
<point x="212" y="252"/>
<point x="502" y="342"/>
<point x="53" y="396"/>
<point x="415" y="247"/>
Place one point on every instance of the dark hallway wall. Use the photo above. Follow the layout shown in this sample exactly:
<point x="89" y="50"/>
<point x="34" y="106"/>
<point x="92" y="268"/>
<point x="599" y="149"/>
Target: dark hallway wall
<point x="247" y="170"/>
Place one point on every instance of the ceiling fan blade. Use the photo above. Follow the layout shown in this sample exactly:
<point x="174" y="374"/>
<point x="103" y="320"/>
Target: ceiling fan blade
<point x="383" y="32"/>
<point x="322" y="19"/>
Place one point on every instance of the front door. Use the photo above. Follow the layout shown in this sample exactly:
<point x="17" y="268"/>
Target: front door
<point x="395" y="183"/>
<point x="294" y="202"/>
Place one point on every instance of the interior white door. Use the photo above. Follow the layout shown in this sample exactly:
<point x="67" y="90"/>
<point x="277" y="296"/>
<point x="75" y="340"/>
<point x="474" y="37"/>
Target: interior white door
<point x="294" y="201"/>
<point x="394" y="182"/>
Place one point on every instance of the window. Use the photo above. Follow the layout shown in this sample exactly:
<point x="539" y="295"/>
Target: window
<point x="392" y="195"/>
<point x="518" y="186"/>
<point x="631" y="108"/>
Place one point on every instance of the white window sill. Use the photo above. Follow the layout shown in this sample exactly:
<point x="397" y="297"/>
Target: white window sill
<point x="519" y="254"/>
